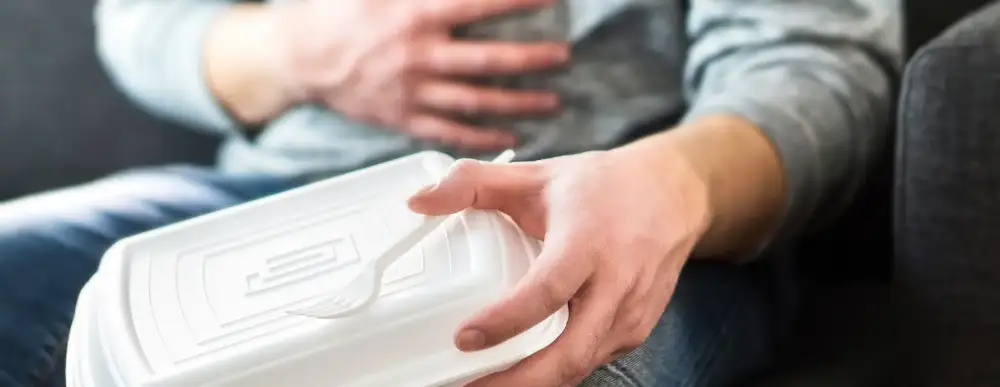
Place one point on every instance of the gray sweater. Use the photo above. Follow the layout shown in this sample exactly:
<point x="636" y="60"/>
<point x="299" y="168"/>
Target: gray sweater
<point x="815" y="75"/>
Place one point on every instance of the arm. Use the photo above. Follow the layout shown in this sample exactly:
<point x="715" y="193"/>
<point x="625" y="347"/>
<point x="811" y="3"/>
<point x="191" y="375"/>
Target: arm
<point x="214" y="64"/>
<point x="790" y="102"/>
<point x="205" y="63"/>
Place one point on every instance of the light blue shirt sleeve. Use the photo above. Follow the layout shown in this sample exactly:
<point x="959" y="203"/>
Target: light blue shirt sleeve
<point x="153" y="51"/>
<point x="816" y="76"/>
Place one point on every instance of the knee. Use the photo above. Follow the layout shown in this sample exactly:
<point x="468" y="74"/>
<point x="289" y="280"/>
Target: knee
<point x="43" y="266"/>
<point x="39" y="255"/>
<point x="59" y="233"/>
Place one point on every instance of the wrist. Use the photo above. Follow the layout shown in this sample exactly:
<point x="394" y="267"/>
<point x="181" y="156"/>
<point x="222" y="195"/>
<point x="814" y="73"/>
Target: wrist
<point x="680" y="178"/>
<point x="244" y="64"/>
<point x="738" y="170"/>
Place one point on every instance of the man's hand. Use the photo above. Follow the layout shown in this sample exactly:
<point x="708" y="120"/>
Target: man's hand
<point x="616" y="228"/>
<point x="394" y="63"/>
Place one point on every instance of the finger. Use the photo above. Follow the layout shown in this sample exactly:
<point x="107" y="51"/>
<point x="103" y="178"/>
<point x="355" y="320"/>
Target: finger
<point x="640" y="311"/>
<point x="449" y="132"/>
<point x="573" y="355"/>
<point x="476" y="184"/>
<point x="551" y="281"/>
<point x="632" y="326"/>
<point x="452" y="12"/>
<point x="468" y="99"/>
<point x="479" y="58"/>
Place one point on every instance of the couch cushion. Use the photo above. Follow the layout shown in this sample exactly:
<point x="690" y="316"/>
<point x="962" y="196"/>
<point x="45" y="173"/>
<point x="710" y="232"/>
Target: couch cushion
<point x="947" y="213"/>
<point x="60" y="120"/>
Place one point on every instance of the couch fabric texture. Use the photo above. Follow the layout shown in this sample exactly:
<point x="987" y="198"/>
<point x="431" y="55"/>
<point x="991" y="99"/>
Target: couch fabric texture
<point x="61" y="122"/>
<point x="947" y="271"/>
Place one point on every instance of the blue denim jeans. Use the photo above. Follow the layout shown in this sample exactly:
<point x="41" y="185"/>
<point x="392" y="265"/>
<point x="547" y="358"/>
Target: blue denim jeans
<point x="715" y="331"/>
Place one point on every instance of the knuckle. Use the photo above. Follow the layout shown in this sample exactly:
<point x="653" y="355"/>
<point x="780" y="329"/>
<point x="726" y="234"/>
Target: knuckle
<point x="572" y="368"/>
<point x="422" y="93"/>
<point x="489" y="62"/>
<point x="552" y="294"/>
<point x="464" y="167"/>
<point x="467" y="141"/>
<point x="617" y="355"/>
<point x="631" y="342"/>
<point x="479" y="101"/>
<point x="632" y="322"/>
<point x="508" y="58"/>
<point x="431" y="94"/>
<point x="625" y="279"/>
<point x="528" y="56"/>
<point x="476" y="61"/>
<point x="511" y="100"/>
<point x="419" y="127"/>
<point x="464" y="100"/>
<point x="407" y="58"/>
<point x="393" y="117"/>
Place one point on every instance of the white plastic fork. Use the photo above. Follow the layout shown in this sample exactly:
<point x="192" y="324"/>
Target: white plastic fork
<point x="364" y="289"/>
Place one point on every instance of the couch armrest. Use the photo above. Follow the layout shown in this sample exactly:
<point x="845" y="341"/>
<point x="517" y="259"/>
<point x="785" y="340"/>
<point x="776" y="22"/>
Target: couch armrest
<point x="947" y="215"/>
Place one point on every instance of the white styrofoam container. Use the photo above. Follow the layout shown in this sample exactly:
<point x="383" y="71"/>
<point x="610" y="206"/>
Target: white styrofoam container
<point x="203" y="302"/>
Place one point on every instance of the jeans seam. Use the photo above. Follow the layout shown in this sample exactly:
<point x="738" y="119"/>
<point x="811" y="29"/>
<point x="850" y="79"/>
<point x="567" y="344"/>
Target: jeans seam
<point x="629" y="379"/>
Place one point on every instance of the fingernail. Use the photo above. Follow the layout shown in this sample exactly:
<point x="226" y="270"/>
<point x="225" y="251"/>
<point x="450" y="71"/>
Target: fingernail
<point x="470" y="340"/>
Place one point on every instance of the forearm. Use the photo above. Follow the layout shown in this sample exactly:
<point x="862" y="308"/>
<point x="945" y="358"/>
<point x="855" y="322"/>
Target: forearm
<point x="813" y="79"/>
<point x="778" y="152"/>
<point x="197" y="62"/>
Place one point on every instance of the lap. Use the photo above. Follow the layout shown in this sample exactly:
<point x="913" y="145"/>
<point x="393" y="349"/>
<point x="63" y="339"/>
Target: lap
<point x="51" y="244"/>
<point x="717" y="331"/>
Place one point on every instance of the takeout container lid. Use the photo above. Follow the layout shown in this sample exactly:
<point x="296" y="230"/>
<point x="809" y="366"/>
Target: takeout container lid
<point x="203" y="302"/>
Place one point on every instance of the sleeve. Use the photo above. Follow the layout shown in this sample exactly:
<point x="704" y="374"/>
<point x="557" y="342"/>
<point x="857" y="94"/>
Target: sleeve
<point x="153" y="51"/>
<point x="816" y="76"/>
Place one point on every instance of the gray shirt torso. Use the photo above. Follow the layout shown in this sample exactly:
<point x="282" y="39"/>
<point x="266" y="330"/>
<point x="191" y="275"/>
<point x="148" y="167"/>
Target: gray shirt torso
<point x="814" y="75"/>
<point x="628" y="60"/>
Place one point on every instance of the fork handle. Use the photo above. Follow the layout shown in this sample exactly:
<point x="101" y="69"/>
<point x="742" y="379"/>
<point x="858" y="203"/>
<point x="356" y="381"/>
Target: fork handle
<point x="411" y="239"/>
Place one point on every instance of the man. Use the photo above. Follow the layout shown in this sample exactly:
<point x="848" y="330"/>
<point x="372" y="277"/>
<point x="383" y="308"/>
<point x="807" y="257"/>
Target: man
<point x="783" y="104"/>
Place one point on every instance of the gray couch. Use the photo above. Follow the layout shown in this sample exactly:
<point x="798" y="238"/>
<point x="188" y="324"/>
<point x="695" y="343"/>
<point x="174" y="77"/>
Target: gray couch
<point x="947" y="274"/>
<point x="62" y="123"/>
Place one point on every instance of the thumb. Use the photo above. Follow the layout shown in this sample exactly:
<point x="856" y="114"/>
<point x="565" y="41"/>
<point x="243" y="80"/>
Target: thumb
<point x="477" y="184"/>
<point x="551" y="281"/>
